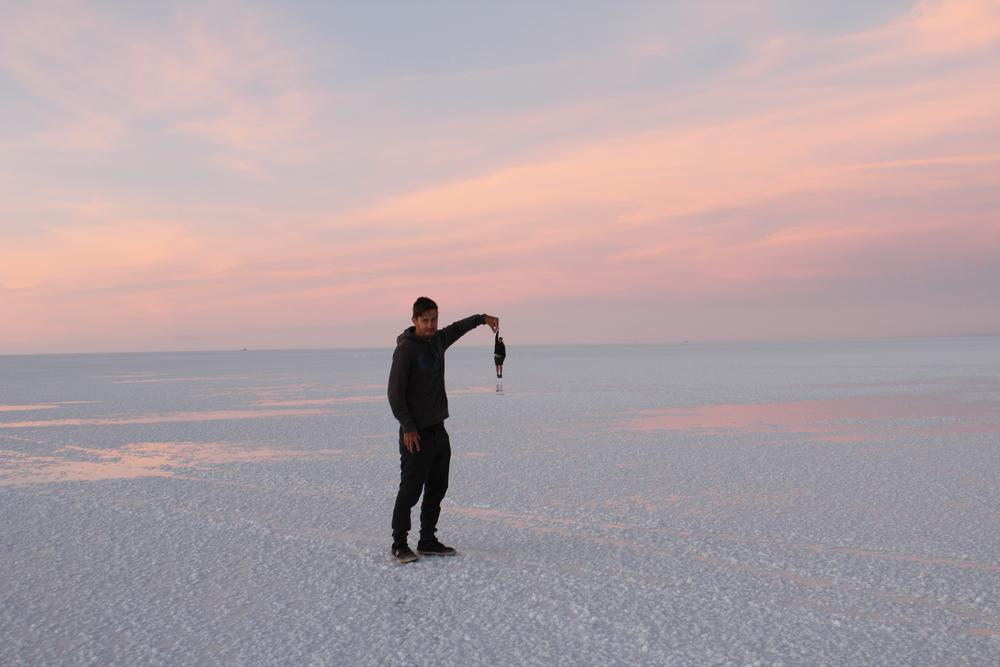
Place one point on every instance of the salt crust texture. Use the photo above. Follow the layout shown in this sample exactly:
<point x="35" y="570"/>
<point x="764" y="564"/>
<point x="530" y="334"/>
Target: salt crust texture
<point x="684" y="504"/>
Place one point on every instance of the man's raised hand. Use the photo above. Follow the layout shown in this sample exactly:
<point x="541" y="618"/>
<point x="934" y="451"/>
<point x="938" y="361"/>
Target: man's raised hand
<point x="493" y="322"/>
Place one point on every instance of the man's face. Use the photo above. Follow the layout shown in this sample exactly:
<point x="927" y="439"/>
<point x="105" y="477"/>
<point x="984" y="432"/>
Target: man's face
<point x="426" y="323"/>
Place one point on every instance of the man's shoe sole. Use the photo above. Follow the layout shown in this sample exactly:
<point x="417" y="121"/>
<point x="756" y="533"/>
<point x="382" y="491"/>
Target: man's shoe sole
<point x="437" y="553"/>
<point x="403" y="560"/>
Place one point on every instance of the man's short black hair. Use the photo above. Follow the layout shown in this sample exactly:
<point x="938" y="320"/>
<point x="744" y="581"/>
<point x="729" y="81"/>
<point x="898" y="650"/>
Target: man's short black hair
<point x="422" y="305"/>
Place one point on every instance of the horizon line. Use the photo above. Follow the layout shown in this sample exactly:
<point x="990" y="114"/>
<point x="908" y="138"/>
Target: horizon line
<point x="800" y="341"/>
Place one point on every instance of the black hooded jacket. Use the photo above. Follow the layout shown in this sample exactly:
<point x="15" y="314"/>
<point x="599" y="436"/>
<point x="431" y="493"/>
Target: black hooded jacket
<point x="416" y="379"/>
<point x="499" y="348"/>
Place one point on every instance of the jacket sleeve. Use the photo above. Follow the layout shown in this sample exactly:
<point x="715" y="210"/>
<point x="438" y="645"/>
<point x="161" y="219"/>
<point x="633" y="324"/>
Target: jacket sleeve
<point x="398" y="376"/>
<point x="456" y="330"/>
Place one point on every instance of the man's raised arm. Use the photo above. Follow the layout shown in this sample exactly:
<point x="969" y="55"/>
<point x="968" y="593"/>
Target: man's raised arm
<point x="456" y="330"/>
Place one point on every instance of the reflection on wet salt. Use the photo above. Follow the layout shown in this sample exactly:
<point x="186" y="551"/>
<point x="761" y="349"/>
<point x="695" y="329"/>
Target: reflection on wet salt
<point x="706" y="502"/>
<point x="483" y="389"/>
<point x="278" y="390"/>
<point x="265" y="391"/>
<point x="142" y="459"/>
<point x="909" y="558"/>
<point x="323" y="401"/>
<point x="286" y="389"/>
<point x="41" y="406"/>
<point x="963" y="382"/>
<point x="20" y="469"/>
<point x="982" y="632"/>
<point x="159" y="380"/>
<point x="17" y="438"/>
<point x="836" y="420"/>
<point x="365" y="398"/>
<point x="165" y="418"/>
<point x="154" y="378"/>
<point x="288" y="382"/>
<point x="299" y="393"/>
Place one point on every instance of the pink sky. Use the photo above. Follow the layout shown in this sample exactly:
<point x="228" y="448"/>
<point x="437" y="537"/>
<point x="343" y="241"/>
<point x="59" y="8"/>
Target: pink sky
<point x="236" y="175"/>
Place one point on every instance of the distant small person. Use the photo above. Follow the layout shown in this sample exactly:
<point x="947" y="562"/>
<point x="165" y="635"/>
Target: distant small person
<point x="499" y="353"/>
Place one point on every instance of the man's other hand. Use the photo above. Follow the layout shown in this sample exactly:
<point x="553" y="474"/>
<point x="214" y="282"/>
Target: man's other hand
<point x="411" y="440"/>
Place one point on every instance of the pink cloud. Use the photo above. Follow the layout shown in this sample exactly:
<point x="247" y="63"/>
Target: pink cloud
<point x="953" y="25"/>
<point x="637" y="194"/>
<point x="219" y="76"/>
<point x="92" y="255"/>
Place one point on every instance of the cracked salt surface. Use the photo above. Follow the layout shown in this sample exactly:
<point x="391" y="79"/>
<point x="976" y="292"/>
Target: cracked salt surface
<point x="679" y="504"/>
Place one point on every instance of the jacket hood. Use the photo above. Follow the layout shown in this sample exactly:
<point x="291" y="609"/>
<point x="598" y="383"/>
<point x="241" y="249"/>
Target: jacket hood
<point x="410" y="333"/>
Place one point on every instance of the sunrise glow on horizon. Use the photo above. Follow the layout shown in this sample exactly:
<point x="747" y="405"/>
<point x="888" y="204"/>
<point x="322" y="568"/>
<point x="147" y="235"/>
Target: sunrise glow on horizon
<point x="229" y="175"/>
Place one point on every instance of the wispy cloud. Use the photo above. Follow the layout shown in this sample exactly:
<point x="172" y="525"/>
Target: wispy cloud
<point x="951" y="26"/>
<point x="218" y="76"/>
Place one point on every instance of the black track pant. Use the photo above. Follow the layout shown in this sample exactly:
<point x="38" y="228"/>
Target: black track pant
<point x="427" y="471"/>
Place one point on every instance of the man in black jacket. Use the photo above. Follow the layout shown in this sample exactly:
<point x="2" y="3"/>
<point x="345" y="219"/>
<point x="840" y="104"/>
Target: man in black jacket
<point x="499" y="353"/>
<point x="418" y="400"/>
